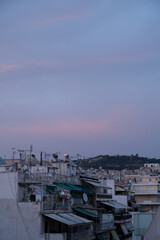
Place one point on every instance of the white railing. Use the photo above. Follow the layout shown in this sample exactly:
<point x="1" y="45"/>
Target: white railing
<point x="46" y="177"/>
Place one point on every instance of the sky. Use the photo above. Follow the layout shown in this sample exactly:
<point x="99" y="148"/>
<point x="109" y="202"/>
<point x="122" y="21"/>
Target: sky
<point x="80" y="77"/>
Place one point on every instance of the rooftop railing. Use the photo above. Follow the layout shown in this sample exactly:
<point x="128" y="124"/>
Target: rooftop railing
<point x="46" y="177"/>
<point x="103" y="196"/>
<point x="121" y="217"/>
<point x="104" y="225"/>
<point x="49" y="203"/>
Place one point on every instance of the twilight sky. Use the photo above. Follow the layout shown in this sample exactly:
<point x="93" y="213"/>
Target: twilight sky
<point x="80" y="76"/>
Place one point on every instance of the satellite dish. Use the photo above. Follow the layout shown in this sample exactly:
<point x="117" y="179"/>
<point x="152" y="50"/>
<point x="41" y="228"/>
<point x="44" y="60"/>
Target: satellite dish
<point x="55" y="155"/>
<point x="85" y="197"/>
<point x="25" y="167"/>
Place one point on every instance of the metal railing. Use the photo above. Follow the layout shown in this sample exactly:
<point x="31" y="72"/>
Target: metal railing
<point x="46" y="177"/>
<point x="104" y="225"/>
<point x="50" y="204"/>
<point x="103" y="196"/>
<point x="119" y="217"/>
<point x="79" y="235"/>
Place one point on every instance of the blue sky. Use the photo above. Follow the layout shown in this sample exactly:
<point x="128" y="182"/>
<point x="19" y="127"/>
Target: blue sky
<point x="80" y="76"/>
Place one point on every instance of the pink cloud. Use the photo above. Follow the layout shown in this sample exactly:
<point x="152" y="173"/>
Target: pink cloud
<point x="63" y="128"/>
<point x="58" y="19"/>
<point x="120" y="121"/>
<point x="9" y="67"/>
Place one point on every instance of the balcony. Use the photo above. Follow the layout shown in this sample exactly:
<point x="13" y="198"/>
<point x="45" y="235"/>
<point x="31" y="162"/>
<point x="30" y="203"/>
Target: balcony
<point x="104" y="226"/>
<point x="102" y="197"/>
<point x="88" y="234"/>
<point x="49" y="206"/>
<point x="120" y="218"/>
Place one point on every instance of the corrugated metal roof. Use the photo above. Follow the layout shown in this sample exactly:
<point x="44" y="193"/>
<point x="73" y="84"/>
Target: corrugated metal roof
<point x="75" y="218"/>
<point x="2" y="161"/>
<point x="84" y="220"/>
<point x="68" y="218"/>
<point x="115" y="204"/>
<point x="59" y="219"/>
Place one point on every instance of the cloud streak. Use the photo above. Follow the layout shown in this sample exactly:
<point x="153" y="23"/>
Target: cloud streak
<point x="113" y="123"/>
<point x="63" y="128"/>
<point x="9" y="67"/>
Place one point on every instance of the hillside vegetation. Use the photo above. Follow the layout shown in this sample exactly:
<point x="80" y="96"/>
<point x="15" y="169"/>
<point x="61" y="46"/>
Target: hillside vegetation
<point x="116" y="162"/>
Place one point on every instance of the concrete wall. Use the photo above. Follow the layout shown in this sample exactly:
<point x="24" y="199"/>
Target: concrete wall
<point x="8" y="185"/>
<point x="121" y="199"/>
<point x="151" y="165"/>
<point x="141" y="222"/>
<point x="153" y="231"/>
<point x="17" y="220"/>
<point x="110" y="183"/>
<point x="2" y="168"/>
<point x="65" y="168"/>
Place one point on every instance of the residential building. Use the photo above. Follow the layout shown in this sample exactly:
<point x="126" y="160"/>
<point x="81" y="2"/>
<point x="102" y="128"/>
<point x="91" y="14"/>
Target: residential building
<point x="146" y="193"/>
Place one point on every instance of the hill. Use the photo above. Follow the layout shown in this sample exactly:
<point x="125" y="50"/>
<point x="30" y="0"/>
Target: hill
<point x="116" y="162"/>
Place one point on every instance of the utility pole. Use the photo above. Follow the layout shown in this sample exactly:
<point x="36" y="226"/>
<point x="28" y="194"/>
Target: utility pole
<point x="41" y="159"/>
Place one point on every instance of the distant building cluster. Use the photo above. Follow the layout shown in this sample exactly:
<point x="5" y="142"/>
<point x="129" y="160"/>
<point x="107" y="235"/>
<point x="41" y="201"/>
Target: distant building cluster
<point x="52" y="199"/>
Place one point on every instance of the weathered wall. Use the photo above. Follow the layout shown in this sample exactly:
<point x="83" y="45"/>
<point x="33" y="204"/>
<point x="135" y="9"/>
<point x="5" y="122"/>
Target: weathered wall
<point x="19" y="220"/>
<point x="8" y="185"/>
<point x="121" y="199"/>
<point x="110" y="183"/>
<point x="153" y="231"/>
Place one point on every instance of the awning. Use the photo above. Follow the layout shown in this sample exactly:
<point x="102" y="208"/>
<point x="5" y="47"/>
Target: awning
<point x="50" y="188"/>
<point x="96" y="184"/>
<point x="115" y="235"/>
<point x="74" y="188"/>
<point x="86" y="212"/>
<point x="84" y="220"/>
<point x="68" y="218"/>
<point x="115" y="204"/>
<point x="60" y="219"/>
<point x="79" y="188"/>
<point x="63" y="186"/>
<point x="2" y="162"/>
<point x="119" y="189"/>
